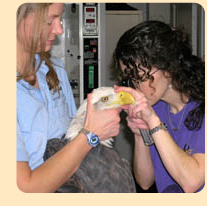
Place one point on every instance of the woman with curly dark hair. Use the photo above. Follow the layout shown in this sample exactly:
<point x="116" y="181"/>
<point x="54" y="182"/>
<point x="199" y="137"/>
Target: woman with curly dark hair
<point x="168" y="84"/>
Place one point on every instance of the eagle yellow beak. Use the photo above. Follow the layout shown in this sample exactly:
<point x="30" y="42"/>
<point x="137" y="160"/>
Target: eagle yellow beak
<point x="124" y="98"/>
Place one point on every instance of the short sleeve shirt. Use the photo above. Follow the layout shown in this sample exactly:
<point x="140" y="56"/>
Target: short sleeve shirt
<point x="42" y="114"/>
<point x="190" y="141"/>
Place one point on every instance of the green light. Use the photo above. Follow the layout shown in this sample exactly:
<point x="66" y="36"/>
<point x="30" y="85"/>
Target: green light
<point x="91" y="77"/>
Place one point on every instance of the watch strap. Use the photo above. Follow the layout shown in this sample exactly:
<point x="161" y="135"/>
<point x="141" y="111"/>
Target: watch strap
<point x="161" y="126"/>
<point x="92" y="138"/>
<point x="84" y="131"/>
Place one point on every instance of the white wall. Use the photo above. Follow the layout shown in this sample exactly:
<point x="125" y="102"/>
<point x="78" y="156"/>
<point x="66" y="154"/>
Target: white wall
<point x="159" y="11"/>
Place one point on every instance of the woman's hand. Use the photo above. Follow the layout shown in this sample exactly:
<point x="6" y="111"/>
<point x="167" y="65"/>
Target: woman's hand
<point x="142" y="113"/>
<point x="135" y="124"/>
<point x="104" y="123"/>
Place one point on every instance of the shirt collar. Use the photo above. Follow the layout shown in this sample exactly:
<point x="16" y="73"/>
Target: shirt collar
<point x="43" y="68"/>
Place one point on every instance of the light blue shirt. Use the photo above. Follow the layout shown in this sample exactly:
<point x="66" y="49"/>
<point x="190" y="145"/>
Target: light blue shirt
<point x="42" y="114"/>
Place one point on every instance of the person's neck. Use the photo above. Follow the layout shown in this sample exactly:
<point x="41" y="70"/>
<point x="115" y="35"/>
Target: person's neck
<point x="173" y="98"/>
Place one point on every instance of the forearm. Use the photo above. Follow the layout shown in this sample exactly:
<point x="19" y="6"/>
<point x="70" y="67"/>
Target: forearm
<point x="56" y="170"/>
<point x="143" y="168"/>
<point x="187" y="170"/>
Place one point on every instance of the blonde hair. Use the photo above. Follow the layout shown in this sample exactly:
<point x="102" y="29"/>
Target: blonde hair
<point x="40" y="11"/>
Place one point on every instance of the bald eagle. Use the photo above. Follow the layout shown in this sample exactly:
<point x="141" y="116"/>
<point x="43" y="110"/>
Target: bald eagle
<point x="103" y="170"/>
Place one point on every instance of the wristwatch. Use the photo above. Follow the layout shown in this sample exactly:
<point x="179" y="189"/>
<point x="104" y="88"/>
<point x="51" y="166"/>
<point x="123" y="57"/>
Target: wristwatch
<point x="92" y="138"/>
<point x="162" y="126"/>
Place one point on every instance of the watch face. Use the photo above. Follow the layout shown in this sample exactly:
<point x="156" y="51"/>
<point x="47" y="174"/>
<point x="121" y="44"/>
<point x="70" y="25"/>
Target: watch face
<point x="93" y="139"/>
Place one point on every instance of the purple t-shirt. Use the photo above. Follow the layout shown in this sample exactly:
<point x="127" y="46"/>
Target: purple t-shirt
<point x="191" y="141"/>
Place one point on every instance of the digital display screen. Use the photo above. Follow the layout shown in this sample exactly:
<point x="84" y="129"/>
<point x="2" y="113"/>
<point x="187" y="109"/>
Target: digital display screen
<point x="92" y="43"/>
<point x="90" y="21"/>
<point x="89" y="9"/>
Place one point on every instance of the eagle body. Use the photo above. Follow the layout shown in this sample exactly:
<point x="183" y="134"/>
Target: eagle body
<point x="103" y="170"/>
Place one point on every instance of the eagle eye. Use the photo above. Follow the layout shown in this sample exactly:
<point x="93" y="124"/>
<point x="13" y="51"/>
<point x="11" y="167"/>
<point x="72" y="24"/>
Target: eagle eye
<point x="104" y="99"/>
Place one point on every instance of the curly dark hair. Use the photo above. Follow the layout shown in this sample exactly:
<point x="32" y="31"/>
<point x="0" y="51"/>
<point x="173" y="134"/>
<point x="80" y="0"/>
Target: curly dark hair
<point x="156" y="44"/>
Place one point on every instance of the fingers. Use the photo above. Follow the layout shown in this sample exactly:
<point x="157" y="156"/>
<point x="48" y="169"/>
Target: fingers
<point x="136" y="123"/>
<point x="104" y="123"/>
<point x="119" y="109"/>
<point x="90" y="106"/>
<point x="135" y="93"/>
<point x="136" y="120"/>
<point x="114" y="129"/>
<point x="142" y="108"/>
<point x="134" y="111"/>
<point x="129" y="110"/>
<point x="115" y="113"/>
<point x="116" y="87"/>
<point x="137" y="126"/>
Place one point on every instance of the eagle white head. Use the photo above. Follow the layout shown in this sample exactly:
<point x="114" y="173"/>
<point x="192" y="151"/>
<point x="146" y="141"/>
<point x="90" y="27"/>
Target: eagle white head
<point x="102" y="98"/>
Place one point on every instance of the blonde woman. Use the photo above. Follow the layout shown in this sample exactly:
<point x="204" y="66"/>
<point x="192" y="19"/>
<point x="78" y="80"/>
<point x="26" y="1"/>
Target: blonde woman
<point x="45" y="104"/>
